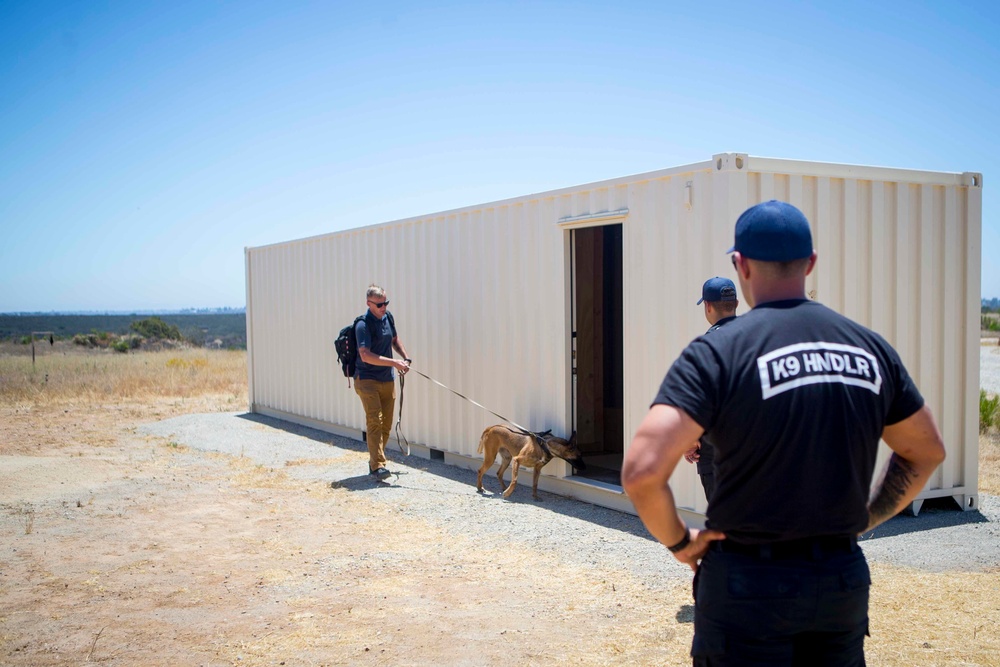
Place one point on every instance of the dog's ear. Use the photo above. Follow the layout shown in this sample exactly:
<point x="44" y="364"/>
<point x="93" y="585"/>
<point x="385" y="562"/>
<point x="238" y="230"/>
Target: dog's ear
<point x="572" y="438"/>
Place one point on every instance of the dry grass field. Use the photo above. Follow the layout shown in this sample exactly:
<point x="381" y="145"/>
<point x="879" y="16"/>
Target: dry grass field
<point x="124" y="549"/>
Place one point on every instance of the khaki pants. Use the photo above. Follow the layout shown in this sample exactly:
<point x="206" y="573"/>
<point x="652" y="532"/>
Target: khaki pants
<point x="379" y="400"/>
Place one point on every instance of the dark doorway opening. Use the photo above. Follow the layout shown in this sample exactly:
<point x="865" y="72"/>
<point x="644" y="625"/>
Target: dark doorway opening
<point x="598" y="353"/>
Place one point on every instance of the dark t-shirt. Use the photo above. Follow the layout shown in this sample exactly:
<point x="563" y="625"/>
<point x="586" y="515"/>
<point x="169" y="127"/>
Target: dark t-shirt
<point x="794" y="397"/>
<point x="376" y="335"/>
<point x="706" y="454"/>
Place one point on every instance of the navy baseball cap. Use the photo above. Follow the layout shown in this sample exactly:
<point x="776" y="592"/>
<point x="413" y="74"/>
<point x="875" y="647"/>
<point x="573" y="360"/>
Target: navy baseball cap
<point x="717" y="289"/>
<point x="773" y="231"/>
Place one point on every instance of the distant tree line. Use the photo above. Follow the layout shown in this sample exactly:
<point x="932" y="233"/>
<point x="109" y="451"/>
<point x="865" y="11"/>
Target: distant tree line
<point x="221" y="330"/>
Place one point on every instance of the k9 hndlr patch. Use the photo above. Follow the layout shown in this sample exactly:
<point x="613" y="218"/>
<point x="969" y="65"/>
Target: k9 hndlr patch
<point x="815" y="363"/>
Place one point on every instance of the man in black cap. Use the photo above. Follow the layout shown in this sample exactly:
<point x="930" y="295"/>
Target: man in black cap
<point x="719" y="296"/>
<point x="795" y="398"/>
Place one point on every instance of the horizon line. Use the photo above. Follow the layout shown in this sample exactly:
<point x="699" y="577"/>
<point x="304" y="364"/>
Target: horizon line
<point x="135" y="311"/>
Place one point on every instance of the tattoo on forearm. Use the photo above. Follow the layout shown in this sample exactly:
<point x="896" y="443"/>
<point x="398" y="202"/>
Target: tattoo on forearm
<point x="899" y="476"/>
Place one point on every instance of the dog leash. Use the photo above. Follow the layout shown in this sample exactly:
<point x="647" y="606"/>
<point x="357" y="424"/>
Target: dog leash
<point x="539" y="436"/>
<point x="400" y="440"/>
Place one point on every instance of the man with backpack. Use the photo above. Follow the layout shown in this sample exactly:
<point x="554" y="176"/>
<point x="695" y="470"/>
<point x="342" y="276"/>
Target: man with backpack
<point x="374" y="380"/>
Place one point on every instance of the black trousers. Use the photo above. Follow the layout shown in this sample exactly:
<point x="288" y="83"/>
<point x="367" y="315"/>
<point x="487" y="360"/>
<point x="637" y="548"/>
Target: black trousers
<point x="802" y="605"/>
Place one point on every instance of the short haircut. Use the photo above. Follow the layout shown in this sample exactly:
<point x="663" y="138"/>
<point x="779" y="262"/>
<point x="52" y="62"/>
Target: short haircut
<point x="374" y="291"/>
<point x="781" y="270"/>
<point x="726" y="307"/>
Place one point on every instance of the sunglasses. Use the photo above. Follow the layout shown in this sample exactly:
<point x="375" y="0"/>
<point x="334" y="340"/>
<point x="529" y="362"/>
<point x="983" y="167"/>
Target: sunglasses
<point x="733" y="258"/>
<point x="380" y="305"/>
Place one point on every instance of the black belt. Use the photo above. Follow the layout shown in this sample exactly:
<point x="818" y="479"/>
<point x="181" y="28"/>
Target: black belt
<point x="809" y="548"/>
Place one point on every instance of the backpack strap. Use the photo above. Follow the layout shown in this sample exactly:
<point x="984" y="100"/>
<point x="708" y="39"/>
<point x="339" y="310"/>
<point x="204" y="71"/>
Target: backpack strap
<point x="354" y="336"/>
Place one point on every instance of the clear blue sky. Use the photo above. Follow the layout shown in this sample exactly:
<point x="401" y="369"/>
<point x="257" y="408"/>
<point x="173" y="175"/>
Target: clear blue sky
<point x="144" y="144"/>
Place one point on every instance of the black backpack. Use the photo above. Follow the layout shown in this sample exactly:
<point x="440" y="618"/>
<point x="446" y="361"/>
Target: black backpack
<point x="346" y="345"/>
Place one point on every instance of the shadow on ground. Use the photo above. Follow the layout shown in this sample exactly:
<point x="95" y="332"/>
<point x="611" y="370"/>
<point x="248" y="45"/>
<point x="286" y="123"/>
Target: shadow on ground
<point x="935" y="513"/>
<point x="685" y="614"/>
<point x="577" y="509"/>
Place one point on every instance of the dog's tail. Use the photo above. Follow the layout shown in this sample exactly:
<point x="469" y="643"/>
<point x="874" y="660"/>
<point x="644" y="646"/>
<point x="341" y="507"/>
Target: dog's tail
<point x="482" y="441"/>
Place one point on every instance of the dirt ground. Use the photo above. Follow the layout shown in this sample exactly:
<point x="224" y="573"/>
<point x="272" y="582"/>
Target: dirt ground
<point x="125" y="549"/>
<point x="122" y="549"/>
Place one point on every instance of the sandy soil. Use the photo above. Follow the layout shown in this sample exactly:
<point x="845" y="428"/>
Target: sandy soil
<point x="120" y="548"/>
<point x="123" y="549"/>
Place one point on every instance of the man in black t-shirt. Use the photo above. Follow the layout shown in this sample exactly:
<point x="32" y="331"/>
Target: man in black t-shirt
<point x="719" y="296"/>
<point x="795" y="398"/>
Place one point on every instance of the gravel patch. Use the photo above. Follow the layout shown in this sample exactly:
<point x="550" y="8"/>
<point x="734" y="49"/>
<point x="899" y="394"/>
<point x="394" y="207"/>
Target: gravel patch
<point x="941" y="538"/>
<point x="442" y="494"/>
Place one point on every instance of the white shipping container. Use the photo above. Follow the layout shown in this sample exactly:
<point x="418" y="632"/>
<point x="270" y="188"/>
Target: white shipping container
<point x="563" y="310"/>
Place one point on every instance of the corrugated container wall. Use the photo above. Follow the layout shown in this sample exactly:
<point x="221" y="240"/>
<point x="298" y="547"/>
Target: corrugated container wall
<point x="483" y="298"/>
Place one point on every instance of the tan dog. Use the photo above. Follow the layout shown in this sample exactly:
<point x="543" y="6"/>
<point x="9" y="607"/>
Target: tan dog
<point x="523" y="450"/>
